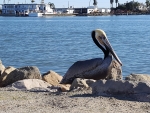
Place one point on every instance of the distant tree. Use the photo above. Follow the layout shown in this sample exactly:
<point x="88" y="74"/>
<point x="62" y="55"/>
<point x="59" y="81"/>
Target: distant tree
<point x="136" y="4"/>
<point x="116" y="1"/>
<point x="121" y="7"/>
<point x="128" y="6"/>
<point x="32" y="1"/>
<point x="51" y="5"/>
<point x="132" y="5"/>
<point x="111" y="2"/>
<point x="147" y="3"/>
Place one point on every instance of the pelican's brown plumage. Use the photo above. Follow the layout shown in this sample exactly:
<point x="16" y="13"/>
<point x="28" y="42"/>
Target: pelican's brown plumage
<point x="97" y="68"/>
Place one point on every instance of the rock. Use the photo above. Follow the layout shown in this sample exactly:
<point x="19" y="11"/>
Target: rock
<point x="142" y="97"/>
<point x="120" y="87"/>
<point x="113" y="87"/>
<point x="64" y="87"/>
<point x="32" y="85"/>
<point x="52" y="78"/>
<point x="138" y="77"/>
<point x="2" y="67"/>
<point x="82" y="83"/>
<point x="20" y="74"/>
<point x="116" y="71"/>
<point x="142" y="87"/>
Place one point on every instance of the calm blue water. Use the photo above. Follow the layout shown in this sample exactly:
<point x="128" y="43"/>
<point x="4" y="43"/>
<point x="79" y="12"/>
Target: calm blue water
<point x="56" y="43"/>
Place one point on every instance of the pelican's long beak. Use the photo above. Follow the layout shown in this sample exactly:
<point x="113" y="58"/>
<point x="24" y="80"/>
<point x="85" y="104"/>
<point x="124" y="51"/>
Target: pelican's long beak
<point x="101" y="34"/>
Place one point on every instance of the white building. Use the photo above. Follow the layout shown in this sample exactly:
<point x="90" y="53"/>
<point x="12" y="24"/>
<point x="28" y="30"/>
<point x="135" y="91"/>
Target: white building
<point x="17" y="9"/>
<point x="104" y="10"/>
<point x="65" y="10"/>
<point x="142" y="7"/>
<point x="70" y="11"/>
<point x="91" y="9"/>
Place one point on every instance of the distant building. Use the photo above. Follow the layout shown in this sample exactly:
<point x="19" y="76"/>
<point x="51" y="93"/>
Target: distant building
<point x="70" y="11"/>
<point x="91" y="9"/>
<point x="104" y="10"/>
<point x="26" y="9"/>
<point x="142" y="7"/>
<point x="80" y="10"/>
<point x="16" y="9"/>
<point x="65" y="10"/>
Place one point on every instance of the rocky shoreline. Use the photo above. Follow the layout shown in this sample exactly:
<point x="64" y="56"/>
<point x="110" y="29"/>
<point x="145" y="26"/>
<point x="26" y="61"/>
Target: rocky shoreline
<point x="26" y="90"/>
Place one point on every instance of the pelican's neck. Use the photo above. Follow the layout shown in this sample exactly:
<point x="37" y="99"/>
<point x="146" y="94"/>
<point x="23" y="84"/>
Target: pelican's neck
<point x="106" y="53"/>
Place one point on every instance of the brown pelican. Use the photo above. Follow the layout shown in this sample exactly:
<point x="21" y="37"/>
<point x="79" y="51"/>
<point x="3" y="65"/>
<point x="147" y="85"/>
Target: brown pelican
<point x="97" y="68"/>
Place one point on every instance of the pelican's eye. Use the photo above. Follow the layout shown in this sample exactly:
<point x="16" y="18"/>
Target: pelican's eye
<point x="102" y="37"/>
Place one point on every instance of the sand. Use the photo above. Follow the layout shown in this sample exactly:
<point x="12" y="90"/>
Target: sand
<point x="79" y="101"/>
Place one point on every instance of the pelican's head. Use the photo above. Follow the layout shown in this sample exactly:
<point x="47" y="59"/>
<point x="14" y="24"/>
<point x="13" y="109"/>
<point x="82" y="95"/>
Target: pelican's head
<point x="100" y="39"/>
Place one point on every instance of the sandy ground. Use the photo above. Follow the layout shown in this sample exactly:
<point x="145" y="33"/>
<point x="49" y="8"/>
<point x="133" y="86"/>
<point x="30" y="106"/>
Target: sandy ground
<point x="80" y="101"/>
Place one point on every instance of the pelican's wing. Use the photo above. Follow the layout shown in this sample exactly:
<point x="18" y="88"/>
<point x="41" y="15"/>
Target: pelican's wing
<point x="80" y="67"/>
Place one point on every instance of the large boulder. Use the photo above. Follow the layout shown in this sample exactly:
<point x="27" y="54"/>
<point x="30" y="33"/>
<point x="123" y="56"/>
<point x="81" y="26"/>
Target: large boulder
<point x="120" y="87"/>
<point x="2" y="67"/>
<point x="138" y="77"/>
<point x="116" y="71"/>
<point x="32" y="85"/>
<point x="81" y="83"/>
<point x="20" y="74"/>
<point x="52" y="78"/>
<point x="113" y="87"/>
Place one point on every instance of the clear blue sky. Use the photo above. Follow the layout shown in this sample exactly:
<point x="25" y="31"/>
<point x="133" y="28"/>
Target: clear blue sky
<point x="75" y="3"/>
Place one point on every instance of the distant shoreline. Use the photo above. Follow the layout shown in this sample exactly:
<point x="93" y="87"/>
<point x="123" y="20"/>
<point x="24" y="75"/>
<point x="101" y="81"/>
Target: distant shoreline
<point x="83" y="14"/>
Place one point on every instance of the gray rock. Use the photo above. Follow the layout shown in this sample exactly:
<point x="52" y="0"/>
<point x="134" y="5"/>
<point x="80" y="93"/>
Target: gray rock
<point x="113" y="87"/>
<point x="34" y="85"/>
<point x="138" y="77"/>
<point x="20" y="74"/>
<point x="142" y="97"/>
<point x="142" y="87"/>
<point x="2" y="67"/>
<point x="81" y="83"/>
<point x="120" y="87"/>
<point x="52" y="78"/>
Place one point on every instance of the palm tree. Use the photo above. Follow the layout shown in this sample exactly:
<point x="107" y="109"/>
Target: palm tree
<point x="111" y="2"/>
<point x="116" y="2"/>
<point x="51" y="5"/>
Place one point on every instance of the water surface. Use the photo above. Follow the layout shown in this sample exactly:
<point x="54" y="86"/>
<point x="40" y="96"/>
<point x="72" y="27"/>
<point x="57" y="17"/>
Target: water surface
<point x="55" y="43"/>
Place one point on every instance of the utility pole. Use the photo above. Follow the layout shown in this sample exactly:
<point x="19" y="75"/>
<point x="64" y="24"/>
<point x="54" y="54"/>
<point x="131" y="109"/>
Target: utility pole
<point x="4" y="2"/>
